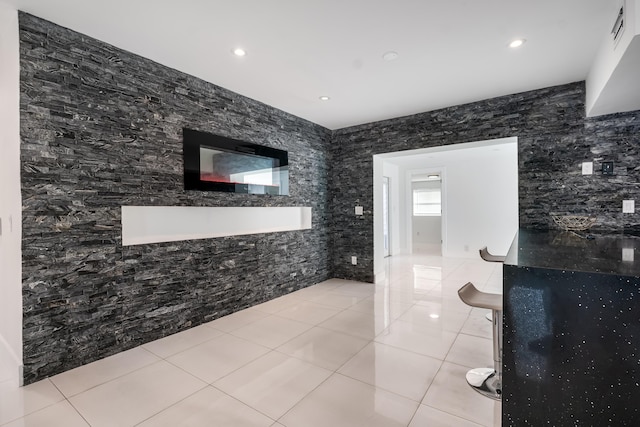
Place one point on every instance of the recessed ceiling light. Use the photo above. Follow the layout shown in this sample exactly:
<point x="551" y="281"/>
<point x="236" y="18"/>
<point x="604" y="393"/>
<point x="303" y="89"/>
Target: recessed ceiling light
<point x="390" y="56"/>
<point x="517" y="43"/>
<point x="324" y="98"/>
<point x="239" y="52"/>
<point x="434" y="316"/>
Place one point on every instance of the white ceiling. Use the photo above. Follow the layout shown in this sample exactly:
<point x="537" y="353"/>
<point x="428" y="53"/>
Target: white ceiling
<point x="450" y="51"/>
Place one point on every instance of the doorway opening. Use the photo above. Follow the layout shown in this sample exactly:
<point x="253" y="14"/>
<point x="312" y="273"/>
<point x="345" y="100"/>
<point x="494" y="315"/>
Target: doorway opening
<point x="478" y="200"/>
<point x="426" y="213"/>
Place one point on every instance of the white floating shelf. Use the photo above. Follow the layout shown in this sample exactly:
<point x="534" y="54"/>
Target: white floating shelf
<point x="156" y="224"/>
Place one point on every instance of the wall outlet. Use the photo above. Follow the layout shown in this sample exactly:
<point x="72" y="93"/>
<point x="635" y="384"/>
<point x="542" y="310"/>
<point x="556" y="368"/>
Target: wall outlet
<point x="354" y="260"/>
<point x="587" y="168"/>
<point x="359" y="210"/>
<point x="627" y="254"/>
<point x="628" y="206"/>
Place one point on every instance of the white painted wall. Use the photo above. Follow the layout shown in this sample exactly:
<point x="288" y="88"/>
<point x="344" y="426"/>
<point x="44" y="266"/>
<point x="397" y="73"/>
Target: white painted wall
<point x="10" y="198"/>
<point x="479" y="190"/>
<point x="482" y="202"/>
<point x="426" y="230"/>
<point x="612" y="83"/>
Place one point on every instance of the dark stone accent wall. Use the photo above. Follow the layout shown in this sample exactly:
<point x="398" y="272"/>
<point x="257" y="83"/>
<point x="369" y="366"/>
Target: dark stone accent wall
<point x="101" y="128"/>
<point x="554" y="138"/>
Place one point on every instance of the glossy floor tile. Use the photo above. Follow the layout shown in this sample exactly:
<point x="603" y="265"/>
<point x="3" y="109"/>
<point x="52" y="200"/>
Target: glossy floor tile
<point x="132" y="398"/>
<point x="181" y="341"/>
<point x="61" y="414"/>
<point x="388" y="304"/>
<point x="85" y="377"/>
<point x="209" y="407"/>
<point x="16" y="402"/>
<point x="339" y="353"/>
<point x="399" y="371"/>
<point x="323" y="347"/>
<point x="356" y="323"/>
<point x="430" y="417"/>
<point x="273" y="383"/>
<point x="477" y="324"/>
<point x="237" y="320"/>
<point x="342" y="401"/>
<point x="418" y="338"/>
<point x="272" y="331"/>
<point x="309" y="312"/>
<point x="338" y="300"/>
<point x="217" y="357"/>
<point x="471" y="351"/>
<point x="450" y="393"/>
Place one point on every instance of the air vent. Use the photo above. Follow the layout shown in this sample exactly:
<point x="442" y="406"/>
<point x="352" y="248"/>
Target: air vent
<point x="618" y="27"/>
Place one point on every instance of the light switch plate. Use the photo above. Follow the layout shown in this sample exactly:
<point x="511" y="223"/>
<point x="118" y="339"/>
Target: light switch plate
<point x="628" y="206"/>
<point x="359" y="210"/>
<point x="627" y="254"/>
<point x="587" y="168"/>
<point x="354" y="260"/>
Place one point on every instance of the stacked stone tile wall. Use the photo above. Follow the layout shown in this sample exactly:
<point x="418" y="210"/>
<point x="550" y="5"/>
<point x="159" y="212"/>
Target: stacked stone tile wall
<point x="101" y="128"/>
<point x="554" y="138"/>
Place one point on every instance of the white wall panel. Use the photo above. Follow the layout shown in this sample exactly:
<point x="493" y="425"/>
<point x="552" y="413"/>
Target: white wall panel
<point x="155" y="224"/>
<point x="10" y="198"/>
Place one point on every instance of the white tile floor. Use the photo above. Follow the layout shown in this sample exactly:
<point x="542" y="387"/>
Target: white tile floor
<point x="339" y="353"/>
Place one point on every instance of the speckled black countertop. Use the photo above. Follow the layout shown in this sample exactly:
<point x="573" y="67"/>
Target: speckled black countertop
<point x="571" y="330"/>
<point x="580" y="251"/>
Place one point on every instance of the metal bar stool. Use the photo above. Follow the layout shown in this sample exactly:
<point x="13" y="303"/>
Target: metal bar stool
<point x="486" y="381"/>
<point x="485" y="255"/>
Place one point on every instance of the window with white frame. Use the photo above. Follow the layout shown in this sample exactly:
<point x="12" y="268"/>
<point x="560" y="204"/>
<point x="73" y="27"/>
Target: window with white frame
<point x="427" y="201"/>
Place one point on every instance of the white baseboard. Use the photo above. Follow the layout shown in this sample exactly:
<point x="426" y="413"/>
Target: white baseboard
<point x="379" y="276"/>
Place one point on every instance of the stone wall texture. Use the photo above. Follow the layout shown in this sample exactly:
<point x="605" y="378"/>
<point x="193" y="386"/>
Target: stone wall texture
<point x="554" y="138"/>
<point x="102" y="128"/>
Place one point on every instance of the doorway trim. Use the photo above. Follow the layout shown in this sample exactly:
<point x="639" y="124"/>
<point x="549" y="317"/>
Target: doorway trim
<point x="386" y="218"/>
<point x="378" y="165"/>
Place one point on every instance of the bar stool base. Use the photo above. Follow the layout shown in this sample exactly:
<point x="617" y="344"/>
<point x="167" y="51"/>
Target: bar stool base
<point x="485" y="382"/>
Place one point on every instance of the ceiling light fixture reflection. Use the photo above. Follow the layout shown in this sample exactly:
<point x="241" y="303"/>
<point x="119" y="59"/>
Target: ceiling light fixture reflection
<point x="239" y="51"/>
<point x="516" y="43"/>
<point x="390" y="56"/>
<point x="324" y="98"/>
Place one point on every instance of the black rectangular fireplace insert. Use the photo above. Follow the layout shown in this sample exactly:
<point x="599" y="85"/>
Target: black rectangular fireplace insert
<point x="217" y="163"/>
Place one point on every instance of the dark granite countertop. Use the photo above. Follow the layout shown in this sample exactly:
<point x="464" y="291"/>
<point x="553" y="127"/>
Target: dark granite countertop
<point x="588" y="252"/>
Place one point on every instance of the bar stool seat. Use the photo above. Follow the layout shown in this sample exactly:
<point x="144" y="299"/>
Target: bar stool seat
<point x="486" y="381"/>
<point x="485" y="255"/>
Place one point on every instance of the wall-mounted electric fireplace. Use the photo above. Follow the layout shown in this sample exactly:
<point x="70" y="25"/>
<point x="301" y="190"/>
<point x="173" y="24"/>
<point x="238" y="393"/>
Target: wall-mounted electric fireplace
<point x="217" y="163"/>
